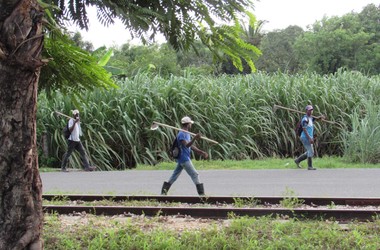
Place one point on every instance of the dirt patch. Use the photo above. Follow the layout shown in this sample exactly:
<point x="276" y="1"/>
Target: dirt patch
<point x="176" y="223"/>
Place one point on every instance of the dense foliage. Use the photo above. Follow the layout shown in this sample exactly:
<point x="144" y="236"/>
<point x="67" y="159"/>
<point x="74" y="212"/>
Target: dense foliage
<point x="237" y="111"/>
<point x="350" y="41"/>
<point x="182" y="23"/>
<point x="70" y="69"/>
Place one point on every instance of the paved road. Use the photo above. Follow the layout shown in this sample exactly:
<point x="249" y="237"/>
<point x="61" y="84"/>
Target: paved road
<point x="319" y="183"/>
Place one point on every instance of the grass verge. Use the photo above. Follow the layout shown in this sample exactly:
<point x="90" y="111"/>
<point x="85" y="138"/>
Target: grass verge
<point x="139" y="232"/>
<point x="265" y="163"/>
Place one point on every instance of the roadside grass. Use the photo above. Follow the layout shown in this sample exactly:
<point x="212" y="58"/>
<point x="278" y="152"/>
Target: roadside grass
<point x="100" y="232"/>
<point x="328" y="162"/>
<point x="265" y="163"/>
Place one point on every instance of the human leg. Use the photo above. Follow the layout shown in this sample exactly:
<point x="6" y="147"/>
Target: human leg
<point x="309" y="153"/>
<point x="310" y="163"/>
<point x="82" y="152"/>
<point x="177" y="171"/>
<point x="309" y="148"/>
<point x="66" y="156"/>
<point x="299" y="159"/>
<point x="166" y="186"/>
<point x="192" y="172"/>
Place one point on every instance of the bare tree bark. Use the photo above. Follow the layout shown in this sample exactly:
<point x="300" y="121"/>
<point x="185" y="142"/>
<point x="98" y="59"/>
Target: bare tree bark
<point x="21" y="41"/>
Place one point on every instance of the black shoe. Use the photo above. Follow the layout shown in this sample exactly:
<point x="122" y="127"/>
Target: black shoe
<point x="310" y="164"/>
<point x="89" y="169"/>
<point x="298" y="164"/>
<point x="165" y="188"/>
<point x="299" y="159"/>
<point x="64" y="170"/>
<point x="200" y="189"/>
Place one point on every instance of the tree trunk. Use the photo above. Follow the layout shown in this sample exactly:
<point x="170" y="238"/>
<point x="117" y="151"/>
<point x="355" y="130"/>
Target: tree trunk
<point x="21" y="41"/>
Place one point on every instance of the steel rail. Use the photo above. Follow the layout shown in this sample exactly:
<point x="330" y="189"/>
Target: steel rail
<point x="219" y="213"/>
<point x="317" y="201"/>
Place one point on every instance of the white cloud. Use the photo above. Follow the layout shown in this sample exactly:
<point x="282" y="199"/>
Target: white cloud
<point x="281" y="14"/>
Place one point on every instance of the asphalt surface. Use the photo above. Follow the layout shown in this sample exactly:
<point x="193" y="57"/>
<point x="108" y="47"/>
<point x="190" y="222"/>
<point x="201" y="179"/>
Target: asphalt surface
<point x="300" y="182"/>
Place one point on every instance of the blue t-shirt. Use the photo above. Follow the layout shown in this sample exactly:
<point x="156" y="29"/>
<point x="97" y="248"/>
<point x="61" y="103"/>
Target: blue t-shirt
<point x="185" y="151"/>
<point x="308" y="123"/>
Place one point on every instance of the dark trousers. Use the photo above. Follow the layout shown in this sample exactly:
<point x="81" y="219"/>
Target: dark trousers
<point x="70" y="148"/>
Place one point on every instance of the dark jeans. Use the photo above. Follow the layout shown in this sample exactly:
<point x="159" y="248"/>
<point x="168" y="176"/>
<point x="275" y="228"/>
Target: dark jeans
<point x="70" y="148"/>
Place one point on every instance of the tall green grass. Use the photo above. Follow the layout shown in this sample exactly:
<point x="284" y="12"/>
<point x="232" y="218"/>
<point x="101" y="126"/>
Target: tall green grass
<point x="237" y="111"/>
<point x="362" y="142"/>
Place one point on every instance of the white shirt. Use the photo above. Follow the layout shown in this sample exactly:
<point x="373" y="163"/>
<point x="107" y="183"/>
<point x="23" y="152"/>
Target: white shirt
<point x="77" y="131"/>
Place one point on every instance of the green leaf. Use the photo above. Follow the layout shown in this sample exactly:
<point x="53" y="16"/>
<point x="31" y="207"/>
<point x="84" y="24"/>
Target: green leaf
<point x="104" y="60"/>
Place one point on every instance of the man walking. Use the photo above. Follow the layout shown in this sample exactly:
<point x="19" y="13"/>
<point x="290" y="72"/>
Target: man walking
<point x="184" y="161"/>
<point x="74" y="143"/>
<point x="307" y="138"/>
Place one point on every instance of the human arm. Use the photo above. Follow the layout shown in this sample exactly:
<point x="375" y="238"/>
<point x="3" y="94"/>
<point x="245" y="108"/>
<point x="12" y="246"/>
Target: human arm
<point x="321" y="117"/>
<point x="189" y="144"/>
<point x="72" y="123"/>
<point x="305" y="123"/>
<point x="311" y="140"/>
<point x="198" y="151"/>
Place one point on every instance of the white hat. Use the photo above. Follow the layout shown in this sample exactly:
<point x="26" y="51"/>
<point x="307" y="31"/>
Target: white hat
<point x="75" y="111"/>
<point x="309" y="107"/>
<point x="186" y="119"/>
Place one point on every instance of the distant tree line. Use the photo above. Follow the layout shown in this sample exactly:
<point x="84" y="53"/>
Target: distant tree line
<point x="351" y="42"/>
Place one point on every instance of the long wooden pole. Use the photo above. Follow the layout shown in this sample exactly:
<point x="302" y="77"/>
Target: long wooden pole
<point x="300" y="112"/>
<point x="179" y="129"/>
<point x="59" y="113"/>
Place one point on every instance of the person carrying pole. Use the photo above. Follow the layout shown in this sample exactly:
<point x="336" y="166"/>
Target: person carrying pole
<point x="307" y="138"/>
<point x="184" y="161"/>
<point x="74" y="143"/>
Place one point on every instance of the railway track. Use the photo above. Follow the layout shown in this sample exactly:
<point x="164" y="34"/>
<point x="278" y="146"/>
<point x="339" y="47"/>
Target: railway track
<point x="337" y="208"/>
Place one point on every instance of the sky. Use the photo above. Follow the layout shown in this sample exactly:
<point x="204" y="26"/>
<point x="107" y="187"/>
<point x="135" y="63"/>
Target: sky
<point x="279" y="14"/>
